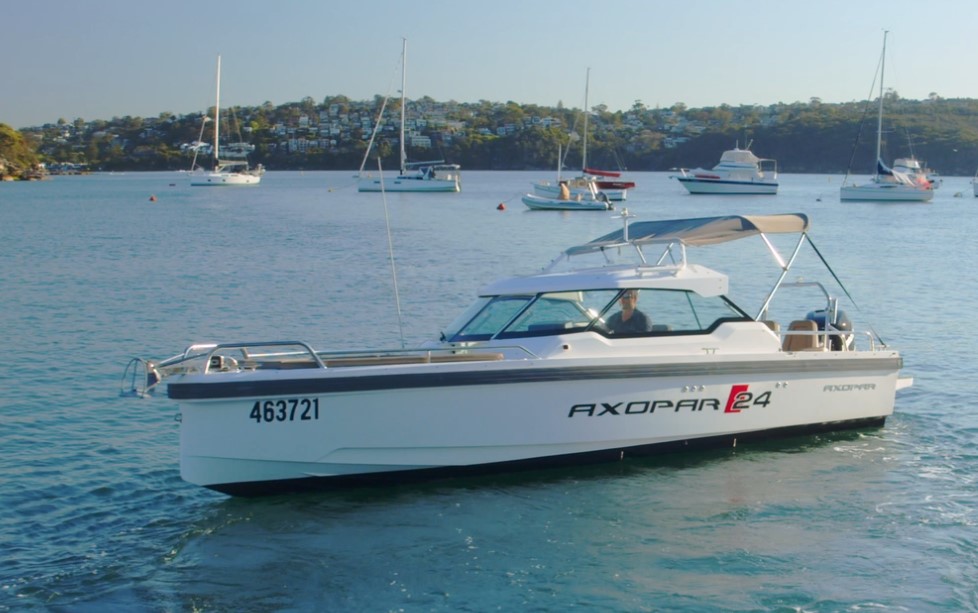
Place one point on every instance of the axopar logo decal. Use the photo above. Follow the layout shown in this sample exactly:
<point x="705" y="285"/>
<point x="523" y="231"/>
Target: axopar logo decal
<point x="850" y="387"/>
<point x="739" y="399"/>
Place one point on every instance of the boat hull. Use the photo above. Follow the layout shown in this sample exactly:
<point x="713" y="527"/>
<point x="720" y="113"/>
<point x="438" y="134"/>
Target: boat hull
<point x="255" y="433"/>
<point x="610" y="186"/>
<point x="696" y="185"/>
<point x="408" y="184"/>
<point x="542" y="203"/>
<point x="218" y="179"/>
<point x="550" y="190"/>
<point x="872" y="192"/>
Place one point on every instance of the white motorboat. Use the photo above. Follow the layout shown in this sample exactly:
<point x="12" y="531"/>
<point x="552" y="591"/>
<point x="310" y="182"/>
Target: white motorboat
<point x="585" y="199"/>
<point x="432" y="176"/>
<point x="580" y="186"/>
<point x="227" y="172"/>
<point x="888" y="184"/>
<point x="578" y="203"/>
<point x="534" y="374"/>
<point x="739" y="172"/>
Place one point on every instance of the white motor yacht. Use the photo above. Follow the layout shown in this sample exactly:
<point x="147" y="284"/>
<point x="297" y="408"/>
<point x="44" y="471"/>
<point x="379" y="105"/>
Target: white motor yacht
<point x="541" y="371"/>
<point x="739" y="172"/>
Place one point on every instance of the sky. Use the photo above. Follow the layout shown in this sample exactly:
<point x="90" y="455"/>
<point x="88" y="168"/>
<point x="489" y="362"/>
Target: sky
<point x="99" y="59"/>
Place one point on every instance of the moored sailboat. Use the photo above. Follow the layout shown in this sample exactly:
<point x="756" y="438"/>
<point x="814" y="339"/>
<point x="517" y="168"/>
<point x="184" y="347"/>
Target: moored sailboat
<point x="888" y="184"/>
<point x="226" y="172"/>
<point x="431" y="176"/>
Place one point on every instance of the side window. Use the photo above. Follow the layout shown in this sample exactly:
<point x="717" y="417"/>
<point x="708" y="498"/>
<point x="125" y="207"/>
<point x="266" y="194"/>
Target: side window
<point x="681" y="311"/>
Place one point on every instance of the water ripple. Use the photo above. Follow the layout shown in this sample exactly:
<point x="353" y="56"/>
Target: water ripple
<point x="96" y="517"/>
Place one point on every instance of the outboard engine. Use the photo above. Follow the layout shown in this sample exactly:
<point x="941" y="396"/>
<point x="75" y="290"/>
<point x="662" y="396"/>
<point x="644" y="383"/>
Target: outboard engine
<point x="842" y="323"/>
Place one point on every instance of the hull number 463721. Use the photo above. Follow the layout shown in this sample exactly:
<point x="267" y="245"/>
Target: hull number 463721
<point x="288" y="409"/>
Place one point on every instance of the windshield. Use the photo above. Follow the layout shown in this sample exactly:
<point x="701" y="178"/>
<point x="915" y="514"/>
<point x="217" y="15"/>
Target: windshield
<point x="487" y="317"/>
<point x="610" y="312"/>
<point x="559" y="312"/>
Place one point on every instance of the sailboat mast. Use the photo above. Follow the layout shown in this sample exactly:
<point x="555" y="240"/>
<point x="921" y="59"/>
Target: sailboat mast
<point x="217" y="115"/>
<point x="879" y="119"/>
<point x="587" y="87"/>
<point x="403" y="101"/>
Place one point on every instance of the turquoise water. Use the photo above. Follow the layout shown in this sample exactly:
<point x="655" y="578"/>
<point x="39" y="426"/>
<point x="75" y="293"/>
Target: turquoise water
<point x="94" y="515"/>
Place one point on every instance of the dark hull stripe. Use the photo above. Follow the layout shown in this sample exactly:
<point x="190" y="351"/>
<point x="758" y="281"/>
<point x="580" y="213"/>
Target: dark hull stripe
<point x="373" y="382"/>
<point x="265" y="488"/>
<point x="724" y="182"/>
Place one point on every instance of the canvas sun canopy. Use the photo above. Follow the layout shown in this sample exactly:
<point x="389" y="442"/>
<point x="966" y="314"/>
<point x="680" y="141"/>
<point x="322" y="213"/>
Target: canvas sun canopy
<point x="739" y="156"/>
<point x="699" y="231"/>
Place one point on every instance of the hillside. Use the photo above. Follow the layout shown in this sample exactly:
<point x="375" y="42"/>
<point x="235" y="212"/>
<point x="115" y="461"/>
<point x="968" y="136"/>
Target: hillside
<point x="804" y="137"/>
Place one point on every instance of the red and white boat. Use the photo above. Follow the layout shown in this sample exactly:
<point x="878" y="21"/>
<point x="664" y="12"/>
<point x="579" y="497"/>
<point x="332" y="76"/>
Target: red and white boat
<point x="602" y="179"/>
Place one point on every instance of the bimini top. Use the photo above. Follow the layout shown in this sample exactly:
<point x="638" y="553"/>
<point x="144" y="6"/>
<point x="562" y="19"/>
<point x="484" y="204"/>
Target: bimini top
<point x="739" y="156"/>
<point x="696" y="232"/>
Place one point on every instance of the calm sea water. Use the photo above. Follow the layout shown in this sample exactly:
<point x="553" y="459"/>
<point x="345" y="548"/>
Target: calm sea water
<point x="94" y="515"/>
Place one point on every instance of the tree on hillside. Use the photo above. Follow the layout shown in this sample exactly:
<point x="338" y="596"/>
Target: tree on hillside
<point x="17" y="155"/>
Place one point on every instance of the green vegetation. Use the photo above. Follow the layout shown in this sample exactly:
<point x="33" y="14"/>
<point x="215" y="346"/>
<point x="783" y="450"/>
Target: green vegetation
<point x="18" y="159"/>
<point x="812" y="137"/>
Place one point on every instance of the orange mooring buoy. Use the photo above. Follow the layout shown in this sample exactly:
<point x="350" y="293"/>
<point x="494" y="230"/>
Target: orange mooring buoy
<point x="501" y="207"/>
<point x="152" y="198"/>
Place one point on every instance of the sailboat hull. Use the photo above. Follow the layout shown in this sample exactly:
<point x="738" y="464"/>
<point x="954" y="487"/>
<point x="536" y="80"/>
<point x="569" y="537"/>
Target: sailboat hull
<point x="877" y="192"/>
<point x="408" y="184"/>
<point x="225" y="178"/>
